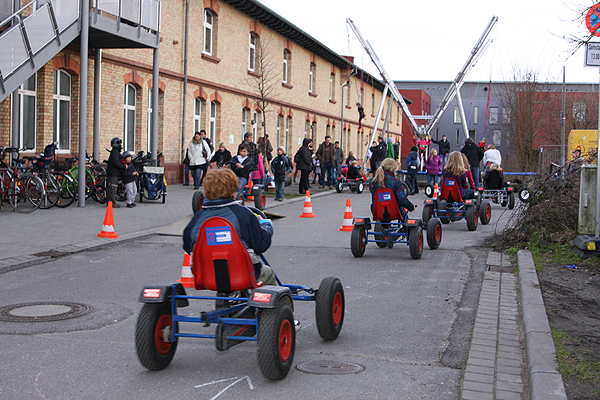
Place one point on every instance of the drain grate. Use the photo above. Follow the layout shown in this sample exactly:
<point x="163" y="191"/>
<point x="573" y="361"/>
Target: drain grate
<point x="43" y="311"/>
<point x="329" y="367"/>
<point x="50" y="253"/>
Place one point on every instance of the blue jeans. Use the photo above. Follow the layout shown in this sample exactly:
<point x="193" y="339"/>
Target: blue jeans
<point x="444" y="158"/>
<point x="243" y="182"/>
<point x="186" y="179"/>
<point x="326" y="169"/>
<point x="431" y="178"/>
<point x="279" y="189"/>
<point x="469" y="194"/>
<point x="476" y="175"/>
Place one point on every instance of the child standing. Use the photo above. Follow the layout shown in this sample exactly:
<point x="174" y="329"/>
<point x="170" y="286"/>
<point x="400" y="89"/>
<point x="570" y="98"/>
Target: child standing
<point x="241" y="166"/>
<point x="317" y="165"/>
<point x="128" y="177"/>
<point x="433" y="166"/>
<point x="281" y="166"/>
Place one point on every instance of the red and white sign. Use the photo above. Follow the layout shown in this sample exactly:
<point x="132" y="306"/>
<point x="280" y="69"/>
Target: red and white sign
<point x="592" y="19"/>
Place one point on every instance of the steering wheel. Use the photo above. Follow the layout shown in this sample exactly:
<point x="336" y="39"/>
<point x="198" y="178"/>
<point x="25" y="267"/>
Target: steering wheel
<point x="257" y="211"/>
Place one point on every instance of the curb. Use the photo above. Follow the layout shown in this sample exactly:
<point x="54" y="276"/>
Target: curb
<point x="545" y="382"/>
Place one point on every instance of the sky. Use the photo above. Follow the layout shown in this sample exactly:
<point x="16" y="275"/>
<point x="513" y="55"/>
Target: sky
<point x="432" y="40"/>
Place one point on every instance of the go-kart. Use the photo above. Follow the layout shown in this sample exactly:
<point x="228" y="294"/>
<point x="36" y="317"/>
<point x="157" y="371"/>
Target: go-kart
<point x="243" y="309"/>
<point x="386" y="232"/>
<point x="356" y="185"/>
<point x="451" y="206"/>
<point x="497" y="191"/>
<point x="251" y="192"/>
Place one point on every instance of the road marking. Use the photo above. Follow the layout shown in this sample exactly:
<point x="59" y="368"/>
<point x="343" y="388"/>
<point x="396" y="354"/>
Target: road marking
<point x="236" y="380"/>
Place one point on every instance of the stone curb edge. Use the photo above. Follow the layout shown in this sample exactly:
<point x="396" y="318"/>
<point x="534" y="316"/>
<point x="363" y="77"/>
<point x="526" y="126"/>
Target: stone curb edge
<point x="545" y="382"/>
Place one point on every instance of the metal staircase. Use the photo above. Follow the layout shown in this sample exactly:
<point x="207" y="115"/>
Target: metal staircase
<point x="34" y="34"/>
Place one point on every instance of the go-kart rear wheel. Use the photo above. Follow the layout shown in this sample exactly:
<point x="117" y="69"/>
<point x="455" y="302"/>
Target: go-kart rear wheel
<point x="428" y="213"/>
<point x="415" y="242"/>
<point x="429" y="190"/>
<point x="330" y="308"/>
<point x="152" y="334"/>
<point x="276" y="341"/>
<point x="434" y="233"/>
<point x="379" y="228"/>
<point x="485" y="212"/>
<point x="339" y="187"/>
<point x="360" y="187"/>
<point x="511" y="200"/>
<point x="471" y="218"/>
<point x="358" y="240"/>
<point x="260" y="200"/>
<point x="524" y="194"/>
<point x="443" y="214"/>
<point x="197" y="200"/>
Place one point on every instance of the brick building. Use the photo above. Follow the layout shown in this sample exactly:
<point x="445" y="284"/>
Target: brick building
<point x="232" y="46"/>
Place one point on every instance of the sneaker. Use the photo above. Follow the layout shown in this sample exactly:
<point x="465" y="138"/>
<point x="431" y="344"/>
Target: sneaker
<point x="320" y="187"/>
<point x="130" y="206"/>
<point x="186" y="184"/>
<point x="330" y="187"/>
<point x="115" y="205"/>
<point x="133" y="204"/>
<point x="297" y="325"/>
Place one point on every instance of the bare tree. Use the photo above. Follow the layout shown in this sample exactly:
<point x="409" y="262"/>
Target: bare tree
<point x="581" y="38"/>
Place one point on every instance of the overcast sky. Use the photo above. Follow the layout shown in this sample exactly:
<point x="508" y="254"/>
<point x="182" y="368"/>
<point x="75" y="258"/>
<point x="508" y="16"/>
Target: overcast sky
<point x="431" y="40"/>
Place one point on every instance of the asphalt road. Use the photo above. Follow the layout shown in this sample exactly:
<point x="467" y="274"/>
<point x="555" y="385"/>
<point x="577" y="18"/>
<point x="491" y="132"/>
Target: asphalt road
<point x="408" y="322"/>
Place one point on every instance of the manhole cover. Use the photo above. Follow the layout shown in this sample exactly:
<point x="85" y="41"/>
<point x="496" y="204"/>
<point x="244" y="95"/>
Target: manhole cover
<point x="43" y="311"/>
<point x="329" y="367"/>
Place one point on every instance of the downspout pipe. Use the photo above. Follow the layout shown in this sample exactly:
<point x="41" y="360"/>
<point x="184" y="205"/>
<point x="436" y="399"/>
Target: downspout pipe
<point x="185" y="78"/>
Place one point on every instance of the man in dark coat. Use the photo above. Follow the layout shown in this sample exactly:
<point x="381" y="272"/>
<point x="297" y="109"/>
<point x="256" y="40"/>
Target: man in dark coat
<point x="474" y="155"/>
<point x="113" y="170"/>
<point x="380" y="152"/>
<point x="444" y="146"/>
<point x="304" y="164"/>
<point x="326" y="156"/>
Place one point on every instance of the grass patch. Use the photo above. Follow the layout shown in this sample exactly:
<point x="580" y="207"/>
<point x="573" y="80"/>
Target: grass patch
<point x="271" y="194"/>
<point x="570" y="366"/>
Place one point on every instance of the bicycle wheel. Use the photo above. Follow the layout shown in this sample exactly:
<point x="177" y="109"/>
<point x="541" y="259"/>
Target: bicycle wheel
<point x="26" y="193"/>
<point x="51" y="190"/>
<point x="68" y="190"/>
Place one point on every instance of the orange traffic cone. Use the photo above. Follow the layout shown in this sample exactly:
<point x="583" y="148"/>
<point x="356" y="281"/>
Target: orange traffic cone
<point x="108" y="228"/>
<point x="435" y="192"/>
<point x="187" y="276"/>
<point x="250" y="184"/>
<point x="347" y="225"/>
<point x="307" y="207"/>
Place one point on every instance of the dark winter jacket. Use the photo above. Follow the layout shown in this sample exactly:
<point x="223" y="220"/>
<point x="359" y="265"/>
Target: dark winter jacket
<point x="221" y="157"/>
<point x="412" y="163"/>
<point x="281" y="165"/>
<point x="256" y="236"/>
<point x="379" y="151"/>
<point x="115" y="163"/>
<point x="244" y="171"/>
<point x="253" y="154"/>
<point x="321" y="156"/>
<point x="305" y="161"/>
<point x="474" y="154"/>
<point x="127" y="175"/>
<point x="444" y="146"/>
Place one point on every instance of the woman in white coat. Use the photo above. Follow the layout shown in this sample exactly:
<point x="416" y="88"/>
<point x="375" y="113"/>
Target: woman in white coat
<point x="199" y="153"/>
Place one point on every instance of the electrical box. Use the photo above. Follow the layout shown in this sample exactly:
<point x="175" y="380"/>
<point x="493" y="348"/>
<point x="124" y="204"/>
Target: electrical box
<point x="586" y="224"/>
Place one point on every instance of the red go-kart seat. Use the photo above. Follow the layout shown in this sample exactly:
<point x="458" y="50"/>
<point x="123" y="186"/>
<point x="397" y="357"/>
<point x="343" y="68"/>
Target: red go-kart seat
<point x="385" y="208"/>
<point x="450" y="190"/>
<point x="220" y="260"/>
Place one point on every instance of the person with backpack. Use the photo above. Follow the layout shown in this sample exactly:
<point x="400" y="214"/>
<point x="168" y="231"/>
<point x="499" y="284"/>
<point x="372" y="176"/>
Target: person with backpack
<point x="128" y="177"/>
<point x="412" y="167"/>
<point x="113" y="170"/>
<point x="304" y="163"/>
<point x="281" y="166"/>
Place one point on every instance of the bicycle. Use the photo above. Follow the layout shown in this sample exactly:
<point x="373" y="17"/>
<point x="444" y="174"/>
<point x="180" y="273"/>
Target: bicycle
<point x="23" y="190"/>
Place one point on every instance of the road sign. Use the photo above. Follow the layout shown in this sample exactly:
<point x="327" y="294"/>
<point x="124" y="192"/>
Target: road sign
<point x="592" y="19"/>
<point x="592" y="54"/>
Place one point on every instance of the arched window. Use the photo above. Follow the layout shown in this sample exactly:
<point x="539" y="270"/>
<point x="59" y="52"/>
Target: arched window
<point x="197" y="114"/>
<point x="288" y="131"/>
<point x="212" y="125"/>
<point x="129" y="125"/>
<point x="245" y="113"/>
<point x="208" y="32"/>
<point x="62" y="109"/>
<point x="279" y="126"/>
<point x="252" y="52"/>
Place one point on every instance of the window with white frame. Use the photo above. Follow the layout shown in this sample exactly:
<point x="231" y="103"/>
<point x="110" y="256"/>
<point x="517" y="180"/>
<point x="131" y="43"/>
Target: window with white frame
<point x="129" y="124"/>
<point x="493" y="115"/>
<point x="306" y="128"/>
<point x="27" y="113"/>
<point x="208" y="32"/>
<point x="150" y="121"/>
<point x="212" y="125"/>
<point x="311" y="77"/>
<point x="313" y="131"/>
<point x="457" y="119"/>
<point x="62" y="109"/>
<point x="497" y="138"/>
<point x="506" y="116"/>
<point x="244" y="122"/>
<point x="332" y="86"/>
<point x="579" y="109"/>
<point x="286" y="66"/>
<point x="288" y="126"/>
<point x="197" y="114"/>
<point x="254" y="126"/>
<point x="252" y="52"/>
<point x="279" y="126"/>
<point x="475" y="113"/>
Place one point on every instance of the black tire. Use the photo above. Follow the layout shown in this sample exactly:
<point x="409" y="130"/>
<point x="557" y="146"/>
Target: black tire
<point x="524" y="194"/>
<point x="485" y="212"/>
<point x="52" y="190"/>
<point x="360" y="187"/>
<point x="471" y="218"/>
<point x="197" y="200"/>
<point x="121" y="194"/>
<point x="379" y="228"/>
<point x="260" y="200"/>
<point x="339" y="187"/>
<point x="152" y="351"/>
<point x="276" y="341"/>
<point x="442" y="212"/>
<point x="434" y="233"/>
<point x="511" y="200"/>
<point x="429" y="190"/>
<point x="99" y="194"/>
<point x="67" y="193"/>
<point x="358" y="240"/>
<point x="428" y="213"/>
<point x="415" y="242"/>
<point x="164" y="196"/>
<point x="26" y="193"/>
<point x="141" y="195"/>
<point x="330" y="308"/>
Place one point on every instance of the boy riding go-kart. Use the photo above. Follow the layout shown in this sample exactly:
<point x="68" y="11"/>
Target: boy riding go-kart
<point x="351" y="178"/>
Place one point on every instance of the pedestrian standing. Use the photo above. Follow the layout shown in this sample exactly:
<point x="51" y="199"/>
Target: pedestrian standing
<point x="241" y="166"/>
<point x="200" y="153"/>
<point x="259" y="174"/>
<point x="113" y="170"/>
<point x="128" y="178"/>
<point x="338" y="160"/>
<point x="281" y="166"/>
<point x="433" y="166"/>
<point x="390" y="149"/>
<point x="326" y="156"/>
<point x="444" y="146"/>
<point x="412" y="168"/>
<point x="304" y="163"/>
<point x="474" y="155"/>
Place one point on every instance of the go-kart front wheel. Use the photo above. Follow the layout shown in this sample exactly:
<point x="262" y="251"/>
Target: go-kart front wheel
<point x="197" y="200"/>
<point x="152" y="336"/>
<point x="471" y="218"/>
<point x="434" y="233"/>
<point x="358" y="240"/>
<point x="511" y="200"/>
<point x="330" y="308"/>
<point x="428" y="213"/>
<point x="485" y="212"/>
<point x="276" y="341"/>
<point x="415" y="242"/>
<point x="260" y="200"/>
<point x="339" y="187"/>
<point x="360" y="187"/>
<point x="429" y="190"/>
